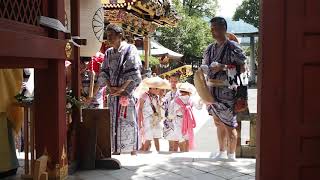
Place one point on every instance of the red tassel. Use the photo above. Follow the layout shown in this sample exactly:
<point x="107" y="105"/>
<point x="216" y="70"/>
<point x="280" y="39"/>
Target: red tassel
<point x="125" y="112"/>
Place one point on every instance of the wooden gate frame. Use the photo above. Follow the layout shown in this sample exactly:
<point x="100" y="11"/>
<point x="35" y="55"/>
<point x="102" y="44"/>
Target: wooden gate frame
<point x="24" y="45"/>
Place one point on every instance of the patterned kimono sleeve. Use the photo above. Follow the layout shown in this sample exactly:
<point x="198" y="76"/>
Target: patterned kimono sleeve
<point x="104" y="74"/>
<point x="205" y="60"/>
<point x="236" y="54"/>
<point x="132" y="70"/>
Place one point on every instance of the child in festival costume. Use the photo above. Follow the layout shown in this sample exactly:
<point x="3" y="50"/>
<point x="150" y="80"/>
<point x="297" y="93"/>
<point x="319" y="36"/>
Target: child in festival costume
<point x="150" y="113"/>
<point x="169" y="125"/>
<point x="180" y="110"/>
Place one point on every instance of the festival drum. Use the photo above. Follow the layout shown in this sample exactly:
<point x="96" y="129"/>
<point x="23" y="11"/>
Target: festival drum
<point x="202" y="88"/>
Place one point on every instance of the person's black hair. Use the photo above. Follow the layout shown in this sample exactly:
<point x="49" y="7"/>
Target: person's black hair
<point x="116" y="28"/>
<point x="85" y="59"/>
<point x="219" y="21"/>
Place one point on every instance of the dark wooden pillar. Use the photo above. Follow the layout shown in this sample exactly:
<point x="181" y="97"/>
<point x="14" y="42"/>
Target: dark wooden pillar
<point x="75" y="31"/>
<point x="252" y="60"/>
<point x="76" y="82"/>
<point x="50" y="104"/>
<point x="50" y="117"/>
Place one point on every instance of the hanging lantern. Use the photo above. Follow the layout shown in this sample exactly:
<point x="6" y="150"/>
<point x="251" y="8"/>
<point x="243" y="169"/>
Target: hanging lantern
<point x="91" y="25"/>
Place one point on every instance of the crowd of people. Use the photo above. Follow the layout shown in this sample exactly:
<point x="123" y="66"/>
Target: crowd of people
<point x="144" y="109"/>
<point x="165" y="109"/>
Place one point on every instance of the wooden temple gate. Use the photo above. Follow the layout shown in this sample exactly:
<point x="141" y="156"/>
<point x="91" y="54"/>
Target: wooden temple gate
<point x="28" y="45"/>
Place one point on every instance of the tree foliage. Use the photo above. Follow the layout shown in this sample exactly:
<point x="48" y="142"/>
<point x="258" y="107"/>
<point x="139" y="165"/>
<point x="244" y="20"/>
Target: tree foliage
<point x="200" y="8"/>
<point x="190" y="37"/>
<point x="248" y="11"/>
<point x="153" y="61"/>
<point x="192" y="34"/>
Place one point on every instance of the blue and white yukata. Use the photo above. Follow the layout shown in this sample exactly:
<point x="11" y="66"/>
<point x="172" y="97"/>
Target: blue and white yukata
<point x="224" y="96"/>
<point x="123" y="118"/>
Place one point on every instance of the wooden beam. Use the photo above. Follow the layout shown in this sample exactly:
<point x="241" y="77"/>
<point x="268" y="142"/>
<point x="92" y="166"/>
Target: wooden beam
<point x="255" y="34"/>
<point x="16" y="26"/>
<point x="146" y="47"/>
<point x="30" y="46"/>
<point x="21" y="62"/>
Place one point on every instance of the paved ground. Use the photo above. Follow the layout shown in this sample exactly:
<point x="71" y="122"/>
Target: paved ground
<point x="166" y="166"/>
<point x="180" y="166"/>
<point x="195" y="165"/>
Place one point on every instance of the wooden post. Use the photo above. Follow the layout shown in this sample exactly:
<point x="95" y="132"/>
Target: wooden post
<point x="76" y="82"/>
<point x="252" y="59"/>
<point x="50" y="105"/>
<point x="91" y="87"/>
<point x="96" y="140"/>
<point x="26" y="147"/>
<point x="146" y="47"/>
<point x="32" y="137"/>
<point x="239" y="149"/>
<point x="50" y="117"/>
<point x="75" y="31"/>
<point x="29" y="137"/>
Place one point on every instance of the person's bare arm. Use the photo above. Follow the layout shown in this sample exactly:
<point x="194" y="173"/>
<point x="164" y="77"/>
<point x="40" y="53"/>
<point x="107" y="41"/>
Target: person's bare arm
<point x="120" y="90"/>
<point x="140" y="112"/>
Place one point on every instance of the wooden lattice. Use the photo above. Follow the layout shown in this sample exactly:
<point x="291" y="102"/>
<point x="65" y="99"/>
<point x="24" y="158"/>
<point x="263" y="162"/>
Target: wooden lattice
<point x="25" y="11"/>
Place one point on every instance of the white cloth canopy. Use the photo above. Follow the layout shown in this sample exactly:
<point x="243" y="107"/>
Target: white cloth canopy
<point x="159" y="50"/>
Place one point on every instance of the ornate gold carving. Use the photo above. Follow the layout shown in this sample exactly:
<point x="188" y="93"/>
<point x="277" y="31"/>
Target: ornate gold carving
<point x="64" y="171"/>
<point x="68" y="50"/>
<point x="59" y="172"/>
<point x="132" y="23"/>
<point x="64" y="154"/>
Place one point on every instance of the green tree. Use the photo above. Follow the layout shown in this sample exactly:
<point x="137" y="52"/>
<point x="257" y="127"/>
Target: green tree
<point x="248" y="11"/>
<point x="191" y="36"/>
<point x="200" y="8"/>
<point x="153" y="61"/>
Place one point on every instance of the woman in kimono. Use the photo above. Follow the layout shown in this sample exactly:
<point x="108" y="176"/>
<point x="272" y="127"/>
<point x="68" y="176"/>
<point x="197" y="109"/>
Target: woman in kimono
<point x="120" y="72"/>
<point x="219" y="62"/>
